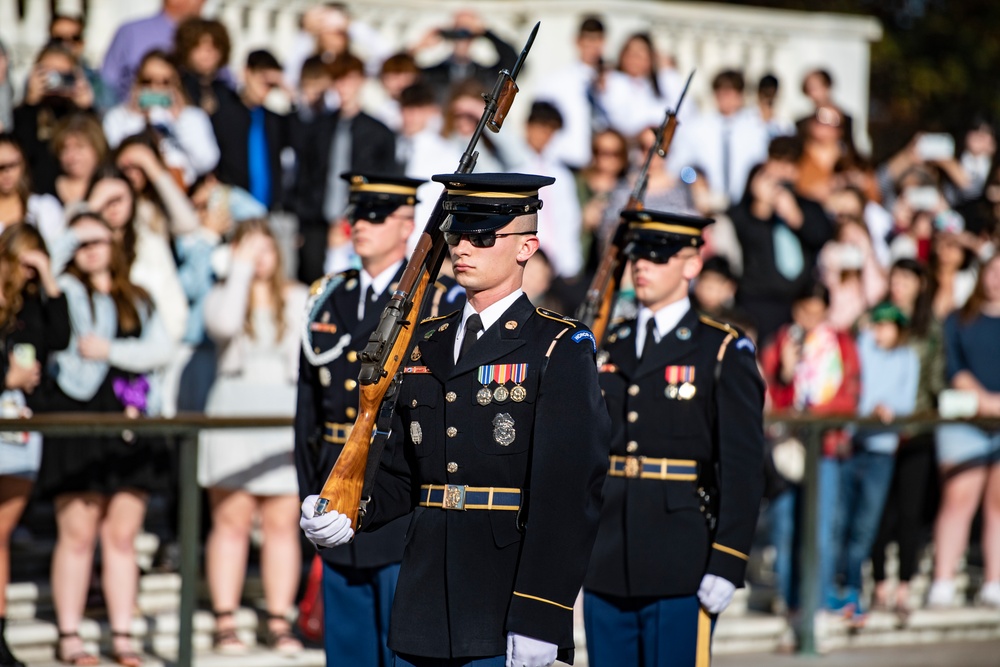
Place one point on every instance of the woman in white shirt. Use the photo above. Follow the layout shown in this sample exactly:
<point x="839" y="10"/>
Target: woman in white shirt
<point x="638" y="93"/>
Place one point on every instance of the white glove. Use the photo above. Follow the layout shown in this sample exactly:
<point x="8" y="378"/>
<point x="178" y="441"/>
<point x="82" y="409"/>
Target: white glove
<point x="715" y="593"/>
<point x="326" y="530"/>
<point x="527" y="652"/>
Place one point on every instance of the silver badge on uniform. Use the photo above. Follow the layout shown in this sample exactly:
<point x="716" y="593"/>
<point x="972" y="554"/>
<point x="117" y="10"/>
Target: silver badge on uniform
<point x="503" y="429"/>
<point x="416" y="433"/>
<point x="325" y="378"/>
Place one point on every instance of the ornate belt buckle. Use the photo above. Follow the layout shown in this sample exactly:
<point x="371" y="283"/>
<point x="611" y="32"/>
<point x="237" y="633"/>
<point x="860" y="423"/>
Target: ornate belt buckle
<point x="633" y="466"/>
<point x="454" y="497"/>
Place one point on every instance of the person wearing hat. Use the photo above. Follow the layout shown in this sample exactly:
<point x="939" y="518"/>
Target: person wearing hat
<point x="499" y="448"/>
<point x="685" y="475"/>
<point x="890" y="375"/>
<point x="343" y="310"/>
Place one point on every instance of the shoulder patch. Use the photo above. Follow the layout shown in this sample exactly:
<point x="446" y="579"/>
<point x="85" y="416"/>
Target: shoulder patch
<point x="439" y="317"/>
<point x="728" y="328"/>
<point x="552" y="315"/>
<point x="746" y="344"/>
<point x="585" y="335"/>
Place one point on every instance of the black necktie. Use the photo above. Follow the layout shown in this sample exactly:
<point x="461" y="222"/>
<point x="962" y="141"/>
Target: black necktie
<point x="650" y="340"/>
<point x="473" y="326"/>
<point x="369" y="299"/>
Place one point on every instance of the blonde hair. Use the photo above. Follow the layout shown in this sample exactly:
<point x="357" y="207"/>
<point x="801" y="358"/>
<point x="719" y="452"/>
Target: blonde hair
<point x="277" y="282"/>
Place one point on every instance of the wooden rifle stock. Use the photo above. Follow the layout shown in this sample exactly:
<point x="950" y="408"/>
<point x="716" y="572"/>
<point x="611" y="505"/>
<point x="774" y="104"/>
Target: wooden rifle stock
<point x="389" y="343"/>
<point x="343" y="486"/>
<point x="595" y="311"/>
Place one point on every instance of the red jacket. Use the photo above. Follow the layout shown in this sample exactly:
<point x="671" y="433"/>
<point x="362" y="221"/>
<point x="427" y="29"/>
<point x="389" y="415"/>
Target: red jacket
<point x="782" y="395"/>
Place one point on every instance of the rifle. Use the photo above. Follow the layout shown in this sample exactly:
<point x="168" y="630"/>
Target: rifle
<point x="390" y="341"/>
<point x="595" y="311"/>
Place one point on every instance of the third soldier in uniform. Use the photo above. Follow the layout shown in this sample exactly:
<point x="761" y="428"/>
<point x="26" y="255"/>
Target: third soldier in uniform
<point x="685" y="475"/>
<point x="358" y="579"/>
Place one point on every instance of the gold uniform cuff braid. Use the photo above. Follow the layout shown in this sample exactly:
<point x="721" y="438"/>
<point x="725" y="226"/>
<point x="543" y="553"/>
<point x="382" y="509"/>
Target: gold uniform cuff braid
<point x="538" y="599"/>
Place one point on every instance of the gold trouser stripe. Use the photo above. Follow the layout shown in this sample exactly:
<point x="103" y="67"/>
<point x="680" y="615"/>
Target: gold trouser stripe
<point x="538" y="599"/>
<point x="731" y="552"/>
<point x="672" y="229"/>
<point x="384" y="188"/>
<point x="703" y="652"/>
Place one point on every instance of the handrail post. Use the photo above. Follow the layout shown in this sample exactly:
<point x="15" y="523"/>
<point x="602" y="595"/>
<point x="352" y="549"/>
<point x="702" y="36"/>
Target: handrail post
<point x="810" y="586"/>
<point x="190" y="520"/>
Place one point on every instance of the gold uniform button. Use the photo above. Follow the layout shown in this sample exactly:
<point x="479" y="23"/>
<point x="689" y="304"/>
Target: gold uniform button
<point x="349" y="385"/>
<point x="632" y="446"/>
<point x="351" y="413"/>
<point x="452" y="467"/>
<point x="413" y="403"/>
<point x="633" y="417"/>
<point x="316" y="350"/>
<point x="633" y="390"/>
<point x="452" y="431"/>
<point x="352" y="356"/>
<point x="451" y="397"/>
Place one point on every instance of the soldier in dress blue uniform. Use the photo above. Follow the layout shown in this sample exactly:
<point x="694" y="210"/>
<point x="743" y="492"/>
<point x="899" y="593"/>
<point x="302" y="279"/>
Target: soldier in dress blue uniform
<point x="343" y="310"/>
<point x="685" y="475"/>
<point x="499" y="448"/>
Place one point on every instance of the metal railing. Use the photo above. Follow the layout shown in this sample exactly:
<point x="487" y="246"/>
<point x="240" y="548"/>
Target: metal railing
<point x="182" y="432"/>
<point x="810" y="429"/>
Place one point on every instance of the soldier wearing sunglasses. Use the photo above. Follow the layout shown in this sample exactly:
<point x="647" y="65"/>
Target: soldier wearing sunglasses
<point x="343" y="310"/>
<point x="498" y="447"/>
<point x="685" y="474"/>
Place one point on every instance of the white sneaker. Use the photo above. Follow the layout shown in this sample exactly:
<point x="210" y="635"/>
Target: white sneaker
<point x="941" y="595"/>
<point x="989" y="594"/>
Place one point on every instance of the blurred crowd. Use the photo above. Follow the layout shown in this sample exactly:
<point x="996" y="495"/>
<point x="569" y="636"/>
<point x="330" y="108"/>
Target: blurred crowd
<point x="162" y="214"/>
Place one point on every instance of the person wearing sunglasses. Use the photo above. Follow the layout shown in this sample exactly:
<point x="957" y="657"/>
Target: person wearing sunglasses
<point x="685" y="475"/>
<point x="343" y="311"/>
<point x="67" y="30"/>
<point x="158" y="102"/>
<point x="498" y="448"/>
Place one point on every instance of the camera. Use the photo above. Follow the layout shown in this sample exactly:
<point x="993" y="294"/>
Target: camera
<point x="935" y="146"/>
<point x="456" y="33"/>
<point x="922" y="198"/>
<point x="55" y="80"/>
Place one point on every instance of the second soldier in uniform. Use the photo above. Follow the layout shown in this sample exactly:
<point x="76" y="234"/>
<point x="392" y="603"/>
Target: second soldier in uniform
<point x="685" y="475"/>
<point x="358" y="579"/>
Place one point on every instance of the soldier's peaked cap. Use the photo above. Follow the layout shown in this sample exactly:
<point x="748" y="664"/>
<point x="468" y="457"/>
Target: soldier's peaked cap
<point x="374" y="197"/>
<point x="658" y="235"/>
<point x="486" y="202"/>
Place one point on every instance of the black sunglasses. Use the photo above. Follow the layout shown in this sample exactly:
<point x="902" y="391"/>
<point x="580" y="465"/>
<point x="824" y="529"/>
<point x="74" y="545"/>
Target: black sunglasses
<point x="481" y="239"/>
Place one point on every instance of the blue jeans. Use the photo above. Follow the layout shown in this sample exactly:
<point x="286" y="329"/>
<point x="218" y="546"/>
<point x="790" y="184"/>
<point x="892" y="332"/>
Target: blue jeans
<point x="785" y="518"/>
<point x="864" y="486"/>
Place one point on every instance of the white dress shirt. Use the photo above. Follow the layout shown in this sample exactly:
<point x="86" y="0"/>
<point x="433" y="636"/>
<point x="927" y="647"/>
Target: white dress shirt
<point x="702" y="144"/>
<point x="379" y="282"/>
<point x="666" y="319"/>
<point x="567" y="91"/>
<point x="489" y="316"/>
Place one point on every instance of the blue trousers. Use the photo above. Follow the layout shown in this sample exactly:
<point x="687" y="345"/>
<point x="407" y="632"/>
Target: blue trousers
<point x="414" y="661"/>
<point x="785" y="516"/>
<point x="864" y="485"/>
<point x="356" y="607"/>
<point x="651" y="632"/>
